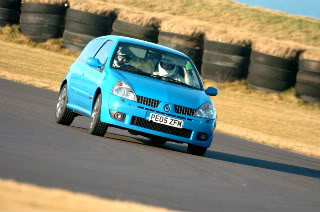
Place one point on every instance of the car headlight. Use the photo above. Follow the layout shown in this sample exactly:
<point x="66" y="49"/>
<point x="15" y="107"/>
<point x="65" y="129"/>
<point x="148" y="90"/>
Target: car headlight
<point x="206" y="111"/>
<point x="123" y="90"/>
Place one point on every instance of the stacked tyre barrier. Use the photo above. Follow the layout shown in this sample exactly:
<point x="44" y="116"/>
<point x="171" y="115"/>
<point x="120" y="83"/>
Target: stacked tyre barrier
<point x="41" y="22"/>
<point x="271" y="73"/>
<point x="223" y="62"/>
<point x="308" y="81"/>
<point x="9" y="12"/>
<point x="82" y="27"/>
<point x="146" y="33"/>
<point x="189" y="45"/>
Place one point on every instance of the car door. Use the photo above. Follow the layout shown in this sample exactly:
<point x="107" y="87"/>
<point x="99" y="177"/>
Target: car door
<point x="77" y="74"/>
<point x="93" y="76"/>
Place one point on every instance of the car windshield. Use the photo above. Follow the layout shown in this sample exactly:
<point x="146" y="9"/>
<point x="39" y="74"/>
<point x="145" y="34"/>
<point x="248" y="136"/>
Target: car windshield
<point x="158" y="64"/>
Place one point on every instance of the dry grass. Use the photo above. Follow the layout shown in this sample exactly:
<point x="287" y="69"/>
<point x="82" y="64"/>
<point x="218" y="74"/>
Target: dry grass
<point x="231" y="22"/>
<point x="280" y="120"/>
<point x="13" y="35"/>
<point x="123" y="13"/>
<point x="34" y="66"/>
<point x="16" y="196"/>
<point x="46" y="1"/>
<point x="311" y="54"/>
<point x="140" y="18"/>
<point x="277" y="48"/>
<point x="93" y="6"/>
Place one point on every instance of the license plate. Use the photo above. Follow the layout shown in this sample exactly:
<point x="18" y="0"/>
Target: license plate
<point x="165" y="120"/>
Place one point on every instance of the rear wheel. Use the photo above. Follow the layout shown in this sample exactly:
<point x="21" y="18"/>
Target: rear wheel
<point x="97" y="127"/>
<point x="196" y="150"/>
<point x="64" y="115"/>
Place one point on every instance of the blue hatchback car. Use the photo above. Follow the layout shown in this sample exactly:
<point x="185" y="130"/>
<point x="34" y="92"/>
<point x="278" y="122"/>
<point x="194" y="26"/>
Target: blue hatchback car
<point x="148" y="89"/>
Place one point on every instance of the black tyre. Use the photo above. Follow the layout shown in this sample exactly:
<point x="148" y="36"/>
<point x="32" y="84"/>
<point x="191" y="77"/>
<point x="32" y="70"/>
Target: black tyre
<point x="225" y="59"/>
<point x="274" y="61"/>
<point x="40" y="30"/>
<point x="86" y="29"/>
<point x="219" y="73"/>
<point x="309" y="65"/>
<point x="158" y="140"/>
<point x="135" y="31"/>
<point x="183" y="40"/>
<point x="259" y="82"/>
<point x="223" y="62"/>
<point x="64" y="115"/>
<point x="88" y="23"/>
<point x="8" y="16"/>
<point x="226" y="48"/>
<point x="42" y="19"/>
<point x="308" y="86"/>
<point x="270" y="78"/>
<point x="196" y="150"/>
<point x="89" y="18"/>
<point x="10" y="4"/>
<point x="97" y="127"/>
<point x="54" y="9"/>
<point x="272" y="72"/>
<point x="76" y="41"/>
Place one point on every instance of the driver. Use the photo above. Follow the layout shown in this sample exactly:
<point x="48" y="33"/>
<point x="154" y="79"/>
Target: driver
<point x="122" y="59"/>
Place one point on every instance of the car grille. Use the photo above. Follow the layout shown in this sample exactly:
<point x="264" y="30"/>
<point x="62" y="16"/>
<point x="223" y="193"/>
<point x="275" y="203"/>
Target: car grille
<point x="148" y="101"/>
<point x="141" y="122"/>
<point x="184" y="110"/>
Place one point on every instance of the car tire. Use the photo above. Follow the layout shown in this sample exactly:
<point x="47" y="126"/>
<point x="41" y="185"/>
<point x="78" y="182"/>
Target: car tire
<point x="158" y="140"/>
<point x="97" y="127"/>
<point x="64" y="115"/>
<point x="196" y="150"/>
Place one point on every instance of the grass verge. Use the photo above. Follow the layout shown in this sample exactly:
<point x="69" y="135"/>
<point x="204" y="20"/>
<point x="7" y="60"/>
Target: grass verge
<point x="281" y="120"/>
<point x="16" y="196"/>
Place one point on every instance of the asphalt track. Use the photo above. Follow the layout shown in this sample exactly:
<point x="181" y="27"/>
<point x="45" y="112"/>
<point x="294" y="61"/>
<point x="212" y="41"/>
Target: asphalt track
<point x="235" y="174"/>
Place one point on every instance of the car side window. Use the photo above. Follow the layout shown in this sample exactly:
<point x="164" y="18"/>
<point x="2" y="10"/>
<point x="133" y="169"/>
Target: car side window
<point x="90" y="49"/>
<point x="104" y="52"/>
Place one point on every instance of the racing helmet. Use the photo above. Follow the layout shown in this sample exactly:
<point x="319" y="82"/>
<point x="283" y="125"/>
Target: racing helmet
<point x="166" y="67"/>
<point x="122" y="58"/>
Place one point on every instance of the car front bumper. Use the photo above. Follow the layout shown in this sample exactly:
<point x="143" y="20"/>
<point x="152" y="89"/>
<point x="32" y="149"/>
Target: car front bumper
<point x="137" y="118"/>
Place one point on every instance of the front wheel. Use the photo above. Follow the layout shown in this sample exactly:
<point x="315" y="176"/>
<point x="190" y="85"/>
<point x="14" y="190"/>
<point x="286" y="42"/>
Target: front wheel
<point x="196" y="150"/>
<point x="64" y="115"/>
<point x="97" y="127"/>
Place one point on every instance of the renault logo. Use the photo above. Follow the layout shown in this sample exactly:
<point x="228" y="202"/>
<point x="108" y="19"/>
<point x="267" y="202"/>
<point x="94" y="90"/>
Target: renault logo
<point x="166" y="108"/>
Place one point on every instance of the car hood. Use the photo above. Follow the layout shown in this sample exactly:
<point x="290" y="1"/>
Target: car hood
<point x="164" y="91"/>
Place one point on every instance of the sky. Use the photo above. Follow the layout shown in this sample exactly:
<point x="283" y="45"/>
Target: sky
<point x="294" y="7"/>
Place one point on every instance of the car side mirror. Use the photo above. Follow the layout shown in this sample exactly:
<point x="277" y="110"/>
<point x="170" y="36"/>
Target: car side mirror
<point x="211" y="91"/>
<point x="94" y="62"/>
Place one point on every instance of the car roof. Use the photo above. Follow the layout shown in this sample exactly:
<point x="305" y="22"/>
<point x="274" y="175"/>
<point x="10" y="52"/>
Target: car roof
<point x="117" y="39"/>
